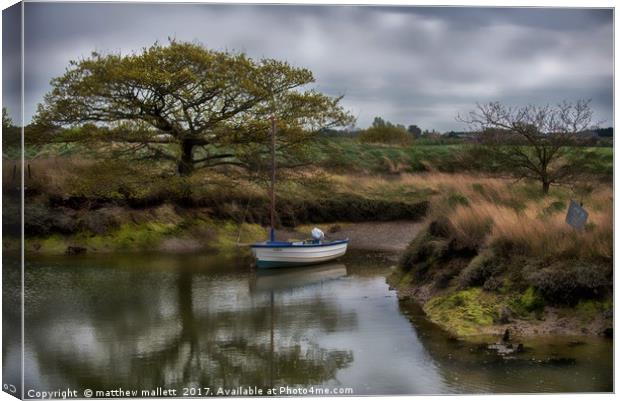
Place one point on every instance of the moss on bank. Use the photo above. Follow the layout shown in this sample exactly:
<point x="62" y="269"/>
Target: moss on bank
<point x="185" y="235"/>
<point x="463" y="312"/>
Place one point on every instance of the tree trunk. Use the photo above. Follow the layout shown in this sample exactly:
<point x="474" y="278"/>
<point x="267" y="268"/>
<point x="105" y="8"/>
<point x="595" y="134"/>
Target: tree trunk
<point x="544" y="173"/>
<point x="186" y="163"/>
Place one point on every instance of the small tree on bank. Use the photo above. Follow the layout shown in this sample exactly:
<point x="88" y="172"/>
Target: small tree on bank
<point x="533" y="141"/>
<point x="184" y="103"/>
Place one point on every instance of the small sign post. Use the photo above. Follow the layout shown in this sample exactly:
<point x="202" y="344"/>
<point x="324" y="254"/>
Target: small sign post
<point x="576" y="216"/>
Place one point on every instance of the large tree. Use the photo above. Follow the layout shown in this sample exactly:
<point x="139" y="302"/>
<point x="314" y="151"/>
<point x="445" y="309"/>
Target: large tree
<point x="185" y="103"/>
<point x="533" y="141"/>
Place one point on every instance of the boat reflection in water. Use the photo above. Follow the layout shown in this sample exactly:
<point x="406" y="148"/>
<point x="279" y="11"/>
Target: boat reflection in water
<point x="274" y="281"/>
<point x="283" y="279"/>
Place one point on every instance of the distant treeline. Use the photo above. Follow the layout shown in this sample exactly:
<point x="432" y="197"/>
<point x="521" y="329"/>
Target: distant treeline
<point x="383" y="131"/>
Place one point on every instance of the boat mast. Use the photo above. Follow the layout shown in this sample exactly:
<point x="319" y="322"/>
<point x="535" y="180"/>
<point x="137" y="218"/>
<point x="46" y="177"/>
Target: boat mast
<point x="272" y="233"/>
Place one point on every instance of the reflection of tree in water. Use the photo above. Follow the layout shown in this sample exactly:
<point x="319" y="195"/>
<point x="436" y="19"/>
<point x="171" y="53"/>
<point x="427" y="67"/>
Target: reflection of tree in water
<point x="132" y="336"/>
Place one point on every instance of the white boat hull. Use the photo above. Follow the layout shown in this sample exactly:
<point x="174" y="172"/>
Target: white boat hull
<point x="270" y="255"/>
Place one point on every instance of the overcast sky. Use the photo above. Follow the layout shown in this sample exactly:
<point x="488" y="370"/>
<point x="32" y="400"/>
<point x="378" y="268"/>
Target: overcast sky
<point x="410" y="65"/>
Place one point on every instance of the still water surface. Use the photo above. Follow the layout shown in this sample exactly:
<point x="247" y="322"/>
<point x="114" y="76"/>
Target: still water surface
<point x="141" y="322"/>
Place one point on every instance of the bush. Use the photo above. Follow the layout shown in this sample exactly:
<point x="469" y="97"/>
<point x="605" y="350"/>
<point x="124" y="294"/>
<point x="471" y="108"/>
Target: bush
<point x="447" y="271"/>
<point x="493" y="284"/>
<point x="440" y="227"/>
<point x="422" y="255"/>
<point x="387" y="134"/>
<point x="567" y="283"/>
<point x="417" y="253"/>
<point x="442" y="279"/>
<point x="480" y="269"/>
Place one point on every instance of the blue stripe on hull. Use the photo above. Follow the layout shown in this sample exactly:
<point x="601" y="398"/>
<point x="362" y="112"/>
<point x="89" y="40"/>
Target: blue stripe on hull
<point x="267" y="264"/>
<point x="283" y="244"/>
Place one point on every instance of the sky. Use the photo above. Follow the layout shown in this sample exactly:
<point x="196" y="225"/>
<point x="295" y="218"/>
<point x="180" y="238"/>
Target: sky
<point x="409" y="65"/>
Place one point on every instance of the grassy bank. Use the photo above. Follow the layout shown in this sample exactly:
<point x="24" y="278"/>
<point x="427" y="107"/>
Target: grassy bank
<point x="121" y="205"/>
<point x="161" y="229"/>
<point x="495" y="254"/>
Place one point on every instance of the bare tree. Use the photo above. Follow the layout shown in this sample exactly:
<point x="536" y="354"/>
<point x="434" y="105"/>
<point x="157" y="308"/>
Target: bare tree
<point x="533" y="141"/>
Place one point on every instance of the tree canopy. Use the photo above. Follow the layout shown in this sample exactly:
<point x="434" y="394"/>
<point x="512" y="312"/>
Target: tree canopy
<point x="382" y="131"/>
<point x="187" y="104"/>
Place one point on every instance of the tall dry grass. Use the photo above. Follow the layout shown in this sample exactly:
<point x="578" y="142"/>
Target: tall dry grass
<point x="491" y="212"/>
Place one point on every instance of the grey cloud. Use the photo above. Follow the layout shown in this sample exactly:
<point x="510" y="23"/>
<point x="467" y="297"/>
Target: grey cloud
<point x="408" y="64"/>
<point x="11" y="61"/>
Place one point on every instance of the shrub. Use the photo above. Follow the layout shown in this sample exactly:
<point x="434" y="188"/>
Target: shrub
<point x="439" y="227"/>
<point x="442" y="279"/>
<point x="423" y="254"/>
<point x="448" y="270"/>
<point x="480" y="269"/>
<point x="386" y="134"/>
<point x="567" y="283"/>
<point x="493" y="284"/>
<point x="419" y="249"/>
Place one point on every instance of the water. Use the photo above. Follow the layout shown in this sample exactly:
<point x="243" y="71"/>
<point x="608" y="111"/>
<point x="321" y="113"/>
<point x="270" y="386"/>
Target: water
<point x="195" y="321"/>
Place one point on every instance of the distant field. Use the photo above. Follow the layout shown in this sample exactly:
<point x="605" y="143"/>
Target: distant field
<point x="351" y="155"/>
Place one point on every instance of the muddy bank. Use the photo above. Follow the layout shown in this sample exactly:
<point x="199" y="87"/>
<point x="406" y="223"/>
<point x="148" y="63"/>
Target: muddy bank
<point x="392" y="236"/>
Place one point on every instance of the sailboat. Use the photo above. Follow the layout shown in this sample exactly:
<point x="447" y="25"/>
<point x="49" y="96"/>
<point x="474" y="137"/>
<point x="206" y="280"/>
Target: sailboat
<point x="273" y="253"/>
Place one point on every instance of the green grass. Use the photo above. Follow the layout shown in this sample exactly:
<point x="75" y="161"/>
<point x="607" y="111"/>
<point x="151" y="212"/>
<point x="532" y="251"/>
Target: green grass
<point x="352" y="155"/>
